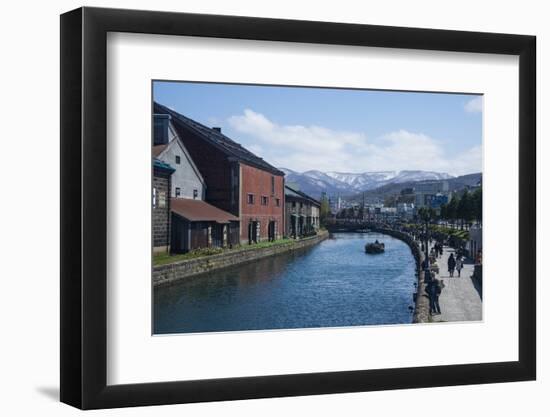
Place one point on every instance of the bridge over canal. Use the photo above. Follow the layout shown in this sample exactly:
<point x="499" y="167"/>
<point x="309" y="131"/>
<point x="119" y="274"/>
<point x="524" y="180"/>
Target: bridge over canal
<point x="344" y="225"/>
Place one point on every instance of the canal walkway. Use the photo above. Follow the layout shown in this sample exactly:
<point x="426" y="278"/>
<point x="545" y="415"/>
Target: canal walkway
<point x="460" y="299"/>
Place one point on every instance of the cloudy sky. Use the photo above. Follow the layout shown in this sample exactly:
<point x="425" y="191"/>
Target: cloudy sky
<point x="337" y="129"/>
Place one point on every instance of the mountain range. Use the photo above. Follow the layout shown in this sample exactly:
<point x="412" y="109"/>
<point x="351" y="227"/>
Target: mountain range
<point x="379" y="194"/>
<point x="315" y="182"/>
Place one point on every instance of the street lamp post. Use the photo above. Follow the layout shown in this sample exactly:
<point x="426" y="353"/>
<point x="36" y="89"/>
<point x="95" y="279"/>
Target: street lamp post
<point x="427" y="275"/>
<point x="425" y="215"/>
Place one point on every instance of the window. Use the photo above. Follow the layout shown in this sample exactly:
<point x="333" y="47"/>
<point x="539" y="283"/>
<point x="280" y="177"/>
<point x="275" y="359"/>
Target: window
<point x="278" y="202"/>
<point x="195" y="194"/>
<point x="250" y="198"/>
<point x="265" y="200"/>
<point x="178" y="159"/>
<point x="178" y="191"/>
<point x="272" y="185"/>
<point x="161" y="199"/>
<point x="154" y="197"/>
<point x="294" y="204"/>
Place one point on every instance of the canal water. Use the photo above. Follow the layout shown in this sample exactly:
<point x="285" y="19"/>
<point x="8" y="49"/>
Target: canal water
<point x="332" y="284"/>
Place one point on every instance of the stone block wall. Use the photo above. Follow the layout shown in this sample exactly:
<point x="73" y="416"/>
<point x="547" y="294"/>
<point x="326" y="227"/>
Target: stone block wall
<point x="422" y="308"/>
<point x="161" y="213"/>
<point x="164" y="274"/>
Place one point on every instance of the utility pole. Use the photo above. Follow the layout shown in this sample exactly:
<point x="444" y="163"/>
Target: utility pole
<point x="425" y="215"/>
<point x="427" y="275"/>
<point x="363" y="210"/>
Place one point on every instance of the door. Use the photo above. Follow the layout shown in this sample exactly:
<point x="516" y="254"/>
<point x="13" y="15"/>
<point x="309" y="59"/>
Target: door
<point x="252" y="232"/>
<point x="271" y="231"/>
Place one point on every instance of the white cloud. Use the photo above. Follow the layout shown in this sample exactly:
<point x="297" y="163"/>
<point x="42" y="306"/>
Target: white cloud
<point x="314" y="139"/>
<point x="303" y="148"/>
<point x="475" y="105"/>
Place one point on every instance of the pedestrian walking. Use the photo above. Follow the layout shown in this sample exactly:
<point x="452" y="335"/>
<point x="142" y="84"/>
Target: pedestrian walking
<point x="434" y="290"/>
<point x="451" y="263"/>
<point x="459" y="264"/>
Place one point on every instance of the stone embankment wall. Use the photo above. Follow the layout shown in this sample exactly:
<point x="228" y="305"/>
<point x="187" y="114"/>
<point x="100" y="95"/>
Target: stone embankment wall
<point x="164" y="274"/>
<point x="422" y="304"/>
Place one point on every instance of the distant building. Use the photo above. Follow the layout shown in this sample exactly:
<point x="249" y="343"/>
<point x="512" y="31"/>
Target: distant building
<point x="237" y="181"/>
<point x="437" y="200"/>
<point x="405" y="210"/>
<point x="388" y="214"/>
<point x="302" y="214"/>
<point x="162" y="173"/>
<point x="425" y="192"/>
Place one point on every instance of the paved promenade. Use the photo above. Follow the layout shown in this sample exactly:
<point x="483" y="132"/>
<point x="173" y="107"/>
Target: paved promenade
<point x="460" y="299"/>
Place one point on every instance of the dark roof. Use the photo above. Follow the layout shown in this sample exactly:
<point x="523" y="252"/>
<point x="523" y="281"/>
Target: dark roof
<point x="162" y="166"/>
<point x="217" y="139"/>
<point x="291" y="192"/>
<point x="200" y="211"/>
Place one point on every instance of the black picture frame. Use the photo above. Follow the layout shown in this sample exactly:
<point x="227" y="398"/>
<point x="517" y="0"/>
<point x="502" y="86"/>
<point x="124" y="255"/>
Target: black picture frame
<point x="84" y="207"/>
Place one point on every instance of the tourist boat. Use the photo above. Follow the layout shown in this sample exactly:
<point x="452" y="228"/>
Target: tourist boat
<point x="374" y="248"/>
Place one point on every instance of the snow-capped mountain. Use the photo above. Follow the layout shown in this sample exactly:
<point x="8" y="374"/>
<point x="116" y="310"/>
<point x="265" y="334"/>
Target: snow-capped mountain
<point x="316" y="182"/>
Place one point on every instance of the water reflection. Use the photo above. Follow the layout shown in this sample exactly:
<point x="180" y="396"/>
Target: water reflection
<point x="332" y="284"/>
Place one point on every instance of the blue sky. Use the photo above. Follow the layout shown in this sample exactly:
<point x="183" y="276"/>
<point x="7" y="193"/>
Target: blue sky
<point x="338" y="129"/>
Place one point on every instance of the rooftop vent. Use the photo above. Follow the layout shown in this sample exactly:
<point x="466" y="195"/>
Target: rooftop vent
<point x="217" y="129"/>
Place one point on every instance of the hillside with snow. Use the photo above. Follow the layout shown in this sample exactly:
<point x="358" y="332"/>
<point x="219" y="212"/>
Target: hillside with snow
<point x="341" y="183"/>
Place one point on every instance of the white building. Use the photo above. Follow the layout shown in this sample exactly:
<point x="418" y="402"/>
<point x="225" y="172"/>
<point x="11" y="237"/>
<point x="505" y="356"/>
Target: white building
<point x="187" y="181"/>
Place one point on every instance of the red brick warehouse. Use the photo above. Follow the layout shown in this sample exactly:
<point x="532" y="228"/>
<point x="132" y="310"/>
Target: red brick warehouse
<point x="237" y="181"/>
<point x="262" y="204"/>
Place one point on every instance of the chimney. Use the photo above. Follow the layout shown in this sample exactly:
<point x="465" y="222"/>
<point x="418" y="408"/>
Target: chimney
<point x="217" y="129"/>
<point x="160" y="129"/>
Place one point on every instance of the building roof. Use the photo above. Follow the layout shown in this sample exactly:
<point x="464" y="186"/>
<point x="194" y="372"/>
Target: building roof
<point x="291" y="192"/>
<point x="163" y="166"/>
<point x="200" y="211"/>
<point x="217" y="139"/>
<point x="157" y="149"/>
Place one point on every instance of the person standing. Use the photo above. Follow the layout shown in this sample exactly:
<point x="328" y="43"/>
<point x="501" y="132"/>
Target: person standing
<point x="451" y="263"/>
<point x="459" y="264"/>
<point x="434" y="290"/>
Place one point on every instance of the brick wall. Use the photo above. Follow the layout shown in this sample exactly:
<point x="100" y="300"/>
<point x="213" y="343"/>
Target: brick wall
<point x="259" y="183"/>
